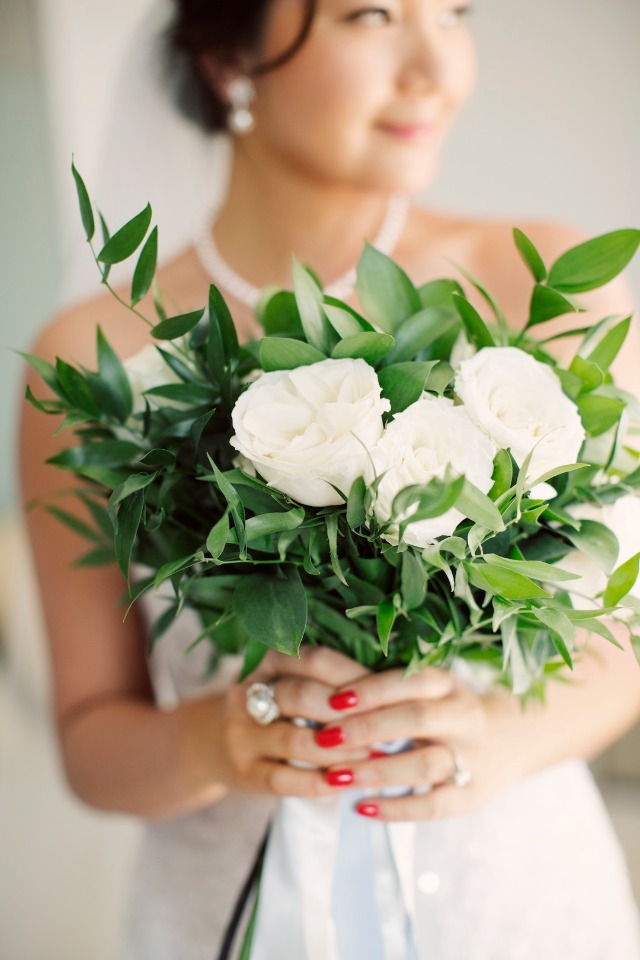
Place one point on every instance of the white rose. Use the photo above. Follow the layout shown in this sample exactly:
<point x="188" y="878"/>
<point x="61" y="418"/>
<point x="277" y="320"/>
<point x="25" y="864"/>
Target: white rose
<point x="518" y="401"/>
<point x="621" y="517"/>
<point x="147" y="369"/>
<point x="307" y="428"/>
<point x="418" y="446"/>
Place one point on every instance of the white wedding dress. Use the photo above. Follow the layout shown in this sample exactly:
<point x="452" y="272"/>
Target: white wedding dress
<point x="537" y="874"/>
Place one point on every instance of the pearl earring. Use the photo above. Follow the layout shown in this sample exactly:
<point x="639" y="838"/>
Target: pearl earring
<point x="241" y="92"/>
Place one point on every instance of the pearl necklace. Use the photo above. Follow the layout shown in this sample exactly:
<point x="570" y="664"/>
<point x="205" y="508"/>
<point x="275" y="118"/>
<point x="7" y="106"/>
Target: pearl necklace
<point x="225" y="276"/>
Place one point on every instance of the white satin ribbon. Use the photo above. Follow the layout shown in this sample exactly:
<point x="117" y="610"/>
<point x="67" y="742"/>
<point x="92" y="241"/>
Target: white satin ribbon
<point x="294" y="919"/>
<point x="327" y="871"/>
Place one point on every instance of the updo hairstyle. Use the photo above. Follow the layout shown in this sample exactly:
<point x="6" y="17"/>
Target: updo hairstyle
<point x="226" y="29"/>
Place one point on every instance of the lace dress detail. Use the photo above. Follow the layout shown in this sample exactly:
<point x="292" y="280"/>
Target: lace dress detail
<point x="537" y="873"/>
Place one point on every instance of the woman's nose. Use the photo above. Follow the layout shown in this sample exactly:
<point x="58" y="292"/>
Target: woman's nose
<point x="423" y="67"/>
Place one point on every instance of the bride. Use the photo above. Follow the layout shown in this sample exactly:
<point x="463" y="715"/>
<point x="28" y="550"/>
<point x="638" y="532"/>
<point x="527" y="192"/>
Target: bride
<point x="337" y="112"/>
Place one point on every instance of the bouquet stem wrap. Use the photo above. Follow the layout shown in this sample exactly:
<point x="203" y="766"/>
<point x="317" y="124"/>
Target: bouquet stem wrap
<point x="328" y="875"/>
<point x="335" y="886"/>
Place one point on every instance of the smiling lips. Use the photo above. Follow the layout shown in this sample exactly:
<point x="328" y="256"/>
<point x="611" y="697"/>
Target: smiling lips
<point x="409" y="131"/>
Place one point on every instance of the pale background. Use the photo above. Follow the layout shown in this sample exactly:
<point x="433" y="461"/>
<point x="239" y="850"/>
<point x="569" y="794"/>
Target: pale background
<point x="553" y="134"/>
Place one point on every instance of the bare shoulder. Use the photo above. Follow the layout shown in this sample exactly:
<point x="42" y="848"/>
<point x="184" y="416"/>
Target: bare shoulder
<point x="486" y="248"/>
<point x="72" y="332"/>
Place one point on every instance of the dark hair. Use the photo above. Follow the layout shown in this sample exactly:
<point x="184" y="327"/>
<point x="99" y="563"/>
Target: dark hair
<point x="227" y="29"/>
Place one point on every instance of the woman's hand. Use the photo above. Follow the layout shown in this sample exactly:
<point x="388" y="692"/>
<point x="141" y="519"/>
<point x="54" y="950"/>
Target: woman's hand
<point x="442" y="716"/>
<point x="264" y="759"/>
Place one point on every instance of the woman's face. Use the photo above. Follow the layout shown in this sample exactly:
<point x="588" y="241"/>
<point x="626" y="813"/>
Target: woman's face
<point x="369" y="98"/>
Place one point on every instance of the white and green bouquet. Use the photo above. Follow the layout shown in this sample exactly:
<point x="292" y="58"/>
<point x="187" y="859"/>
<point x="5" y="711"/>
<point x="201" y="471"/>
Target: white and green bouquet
<point x="410" y="484"/>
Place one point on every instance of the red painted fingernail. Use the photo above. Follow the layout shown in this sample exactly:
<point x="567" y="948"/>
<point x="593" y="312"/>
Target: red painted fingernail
<point x="367" y="809"/>
<point x="339" y="778"/>
<point x="377" y="755"/>
<point x="332" y="737"/>
<point x="344" y="700"/>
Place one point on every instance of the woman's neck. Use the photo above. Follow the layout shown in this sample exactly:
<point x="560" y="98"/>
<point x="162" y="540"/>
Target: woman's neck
<point x="272" y="212"/>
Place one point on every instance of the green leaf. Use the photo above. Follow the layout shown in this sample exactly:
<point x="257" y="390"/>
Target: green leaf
<point x="599" y="413"/>
<point x="218" y="535"/>
<point x="608" y="348"/>
<point x="557" y="472"/>
<point x="371" y="347"/>
<point x="317" y="329"/>
<point x="145" y="269"/>
<point x="594" y="263"/>
<point x="222" y="346"/>
<point x="76" y="389"/>
<point x="385" y="618"/>
<point x="590" y="374"/>
<point x="281" y="353"/>
<point x="420" y="331"/>
<point x="126" y="529"/>
<point x="344" y="320"/>
<point x="478" y="507"/>
<point x="475" y="328"/>
<point x="267" y="524"/>
<point x="113" y="373"/>
<point x="232" y="497"/>
<point x="104" y="229"/>
<point x="272" y="607"/>
<point x="356" y="512"/>
<point x="506" y="583"/>
<point x="279" y="315"/>
<point x="440" y="377"/>
<point x="413" y="580"/>
<point x="86" y="210"/>
<point x="331" y="521"/>
<point x="106" y="453"/>
<point x="158" y="458"/>
<point x="547" y="303"/>
<point x="621" y="581"/>
<point x="561" y="630"/>
<point x="253" y="656"/>
<point x="194" y="394"/>
<point x="74" y="523"/>
<point x="133" y="483"/>
<point x="45" y="371"/>
<point x="486" y="296"/>
<point x="404" y="383"/>
<point x="534" y="569"/>
<point x="175" y="327"/>
<point x="127" y="240"/>
<point x="386" y="293"/>
<point x="530" y="255"/>
<point x="433" y="500"/>
<point x="437" y="293"/>
<point x="502" y="474"/>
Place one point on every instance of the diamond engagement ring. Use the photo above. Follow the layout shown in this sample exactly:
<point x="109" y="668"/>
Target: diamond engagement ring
<point x="261" y="703"/>
<point x="460" y="776"/>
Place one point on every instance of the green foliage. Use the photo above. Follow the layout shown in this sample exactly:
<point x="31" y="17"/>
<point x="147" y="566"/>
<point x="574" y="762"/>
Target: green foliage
<point x="160" y="487"/>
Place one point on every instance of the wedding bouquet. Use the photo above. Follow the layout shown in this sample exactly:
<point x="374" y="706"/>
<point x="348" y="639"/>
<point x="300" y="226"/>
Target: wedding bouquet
<point x="414" y="484"/>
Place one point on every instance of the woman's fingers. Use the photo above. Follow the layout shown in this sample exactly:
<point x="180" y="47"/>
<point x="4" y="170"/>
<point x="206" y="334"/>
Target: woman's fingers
<point x="443" y="801"/>
<point x="442" y="720"/>
<point x="393" y="686"/>
<point x="300" y="697"/>
<point x="282" y="780"/>
<point x="315" y="663"/>
<point x="423" y="766"/>
<point x="283" y="740"/>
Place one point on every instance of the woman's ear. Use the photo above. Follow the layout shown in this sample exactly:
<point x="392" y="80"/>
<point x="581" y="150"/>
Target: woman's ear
<point x="221" y="73"/>
<point x="217" y="74"/>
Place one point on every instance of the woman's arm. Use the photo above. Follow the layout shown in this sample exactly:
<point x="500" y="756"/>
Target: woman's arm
<point x="120" y="752"/>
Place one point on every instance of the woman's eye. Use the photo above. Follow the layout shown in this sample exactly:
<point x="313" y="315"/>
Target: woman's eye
<point x="454" y="16"/>
<point x="370" y="17"/>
